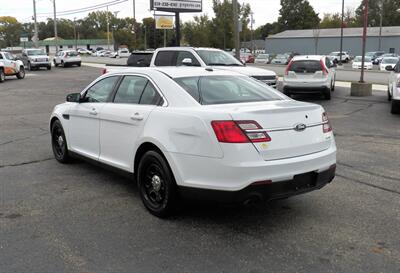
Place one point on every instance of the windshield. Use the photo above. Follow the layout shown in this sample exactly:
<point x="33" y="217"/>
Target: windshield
<point x="370" y="54"/>
<point x="72" y="54"/>
<point x="226" y="89"/>
<point x="334" y="54"/>
<point x="262" y="56"/>
<point x="390" y="60"/>
<point x="359" y="59"/>
<point x="35" y="52"/>
<point x="215" y="57"/>
<point x="281" y="56"/>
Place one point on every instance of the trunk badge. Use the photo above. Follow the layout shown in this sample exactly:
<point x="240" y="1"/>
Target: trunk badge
<point x="300" y="127"/>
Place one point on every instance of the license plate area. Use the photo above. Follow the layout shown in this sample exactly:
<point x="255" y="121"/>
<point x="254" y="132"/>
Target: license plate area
<point x="305" y="180"/>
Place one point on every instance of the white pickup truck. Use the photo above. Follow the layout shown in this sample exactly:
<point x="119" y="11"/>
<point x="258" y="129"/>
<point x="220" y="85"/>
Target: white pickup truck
<point x="203" y="57"/>
<point x="9" y="66"/>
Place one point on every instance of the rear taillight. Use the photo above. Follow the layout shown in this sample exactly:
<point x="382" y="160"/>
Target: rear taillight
<point x="324" y="69"/>
<point x="326" y="125"/>
<point x="288" y="67"/>
<point x="239" y="132"/>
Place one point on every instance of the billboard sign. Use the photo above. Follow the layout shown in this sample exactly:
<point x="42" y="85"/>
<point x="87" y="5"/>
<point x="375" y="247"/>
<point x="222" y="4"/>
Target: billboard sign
<point x="164" y="22"/>
<point x="177" y="5"/>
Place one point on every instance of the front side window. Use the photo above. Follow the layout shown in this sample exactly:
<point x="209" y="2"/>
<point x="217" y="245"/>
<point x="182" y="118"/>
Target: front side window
<point x="150" y="95"/>
<point x="101" y="91"/>
<point x="130" y="90"/>
<point x="216" y="57"/>
<point x="226" y="89"/>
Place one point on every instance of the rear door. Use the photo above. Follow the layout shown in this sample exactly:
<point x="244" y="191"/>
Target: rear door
<point x="122" y="121"/>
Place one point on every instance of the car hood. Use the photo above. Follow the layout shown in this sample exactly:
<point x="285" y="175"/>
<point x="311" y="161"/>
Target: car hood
<point x="249" y="71"/>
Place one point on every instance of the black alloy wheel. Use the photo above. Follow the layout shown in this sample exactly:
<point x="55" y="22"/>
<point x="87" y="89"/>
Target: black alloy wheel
<point x="156" y="184"/>
<point x="59" y="143"/>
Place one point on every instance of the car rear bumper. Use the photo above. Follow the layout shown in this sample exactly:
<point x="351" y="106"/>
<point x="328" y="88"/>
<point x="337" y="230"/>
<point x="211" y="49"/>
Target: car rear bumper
<point x="300" y="184"/>
<point x="229" y="174"/>
<point x="305" y="89"/>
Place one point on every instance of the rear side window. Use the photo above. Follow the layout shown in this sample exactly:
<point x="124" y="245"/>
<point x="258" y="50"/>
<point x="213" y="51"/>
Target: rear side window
<point x="165" y="58"/>
<point x="150" y="96"/>
<point x="72" y="54"/>
<point x="130" y="90"/>
<point x="226" y="89"/>
<point x="305" y="66"/>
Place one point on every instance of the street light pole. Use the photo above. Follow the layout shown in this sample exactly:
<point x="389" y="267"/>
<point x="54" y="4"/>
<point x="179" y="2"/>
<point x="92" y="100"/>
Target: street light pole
<point x="341" y="34"/>
<point x="236" y="29"/>
<point x="76" y="44"/>
<point x="35" y="40"/>
<point x="55" y="25"/>
<point x="364" y="39"/>
<point x="380" y="26"/>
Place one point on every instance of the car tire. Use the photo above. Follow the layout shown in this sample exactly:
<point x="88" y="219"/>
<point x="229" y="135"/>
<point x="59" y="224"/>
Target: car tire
<point x="30" y="68"/>
<point x="2" y="75"/>
<point x="395" y="109"/>
<point x="388" y="93"/>
<point x="327" y="94"/>
<point x="55" y="63"/>
<point x="59" y="143"/>
<point x="49" y="67"/>
<point x="79" y="64"/>
<point x="62" y="64"/>
<point x="156" y="184"/>
<point x="21" y="73"/>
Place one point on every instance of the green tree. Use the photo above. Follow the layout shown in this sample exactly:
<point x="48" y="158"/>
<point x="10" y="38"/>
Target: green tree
<point x="390" y="15"/>
<point x="331" y="20"/>
<point x="264" y="31"/>
<point x="198" y="32"/>
<point x="10" y="31"/>
<point x="297" y="14"/>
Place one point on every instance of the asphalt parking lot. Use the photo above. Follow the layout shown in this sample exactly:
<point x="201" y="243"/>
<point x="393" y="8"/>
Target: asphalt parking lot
<point x="81" y="218"/>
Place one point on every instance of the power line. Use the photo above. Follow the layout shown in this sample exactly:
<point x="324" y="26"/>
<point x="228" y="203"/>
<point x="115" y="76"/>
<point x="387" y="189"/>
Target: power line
<point x="86" y="9"/>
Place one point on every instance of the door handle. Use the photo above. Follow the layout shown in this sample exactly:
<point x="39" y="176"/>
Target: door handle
<point x="93" y="112"/>
<point x="137" y="117"/>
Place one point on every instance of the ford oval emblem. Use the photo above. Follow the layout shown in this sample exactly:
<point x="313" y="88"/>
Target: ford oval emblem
<point x="300" y="127"/>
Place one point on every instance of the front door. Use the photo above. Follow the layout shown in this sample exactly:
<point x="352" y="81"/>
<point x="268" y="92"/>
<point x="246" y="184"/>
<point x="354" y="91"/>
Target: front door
<point x="84" y="124"/>
<point x="122" y="122"/>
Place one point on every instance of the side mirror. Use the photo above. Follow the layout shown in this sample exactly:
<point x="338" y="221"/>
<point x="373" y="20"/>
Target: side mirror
<point x="389" y="68"/>
<point x="187" y="61"/>
<point x="74" y="97"/>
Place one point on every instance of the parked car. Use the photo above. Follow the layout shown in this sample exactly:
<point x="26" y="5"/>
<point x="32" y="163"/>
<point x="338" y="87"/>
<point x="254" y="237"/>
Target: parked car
<point x="374" y="55"/>
<point x="203" y="57"/>
<point x="246" y="58"/>
<point x="335" y="57"/>
<point x="84" y="51"/>
<point x="9" y="66"/>
<point x="280" y="59"/>
<point x="262" y="59"/>
<point x="388" y="62"/>
<point x="67" y="58"/>
<point x="105" y="53"/>
<point x="121" y="53"/>
<point x="34" y="58"/>
<point x="357" y="62"/>
<point x="386" y="55"/>
<point x="202" y="133"/>
<point x="310" y="74"/>
<point x="98" y="53"/>
<point x="394" y="88"/>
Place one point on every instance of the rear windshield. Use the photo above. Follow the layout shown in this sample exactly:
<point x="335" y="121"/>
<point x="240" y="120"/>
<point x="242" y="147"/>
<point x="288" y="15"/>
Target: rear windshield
<point x="72" y="53"/>
<point x="140" y="59"/>
<point x="226" y="89"/>
<point x="358" y="59"/>
<point x="305" y="66"/>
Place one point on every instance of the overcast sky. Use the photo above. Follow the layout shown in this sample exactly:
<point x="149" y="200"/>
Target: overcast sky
<point x="265" y="11"/>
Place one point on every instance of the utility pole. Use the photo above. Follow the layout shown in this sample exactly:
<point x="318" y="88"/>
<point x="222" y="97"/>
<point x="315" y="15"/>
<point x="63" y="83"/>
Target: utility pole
<point x="236" y="29"/>
<point x="364" y="39"/>
<point x="251" y="33"/>
<point x="178" y="29"/>
<point x="76" y="43"/>
<point x="380" y="25"/>
<point x="145" y="37"/>
<point x="55" y="25"/>
<point x="108" y="31"/>
<point x="134" y="22"/>
<point x="341" y="34"/>
<point x="36" y="37"/>
<point x="112" y="29"/>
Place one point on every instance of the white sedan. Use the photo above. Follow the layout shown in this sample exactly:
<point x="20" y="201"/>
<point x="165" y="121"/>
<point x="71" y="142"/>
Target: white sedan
<point x="394" y="88"/>
<point x="197" y="132"/>
<point x="357" y="63"/>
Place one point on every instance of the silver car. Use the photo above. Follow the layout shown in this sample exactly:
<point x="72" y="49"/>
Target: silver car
<point x="34" y="58"/>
